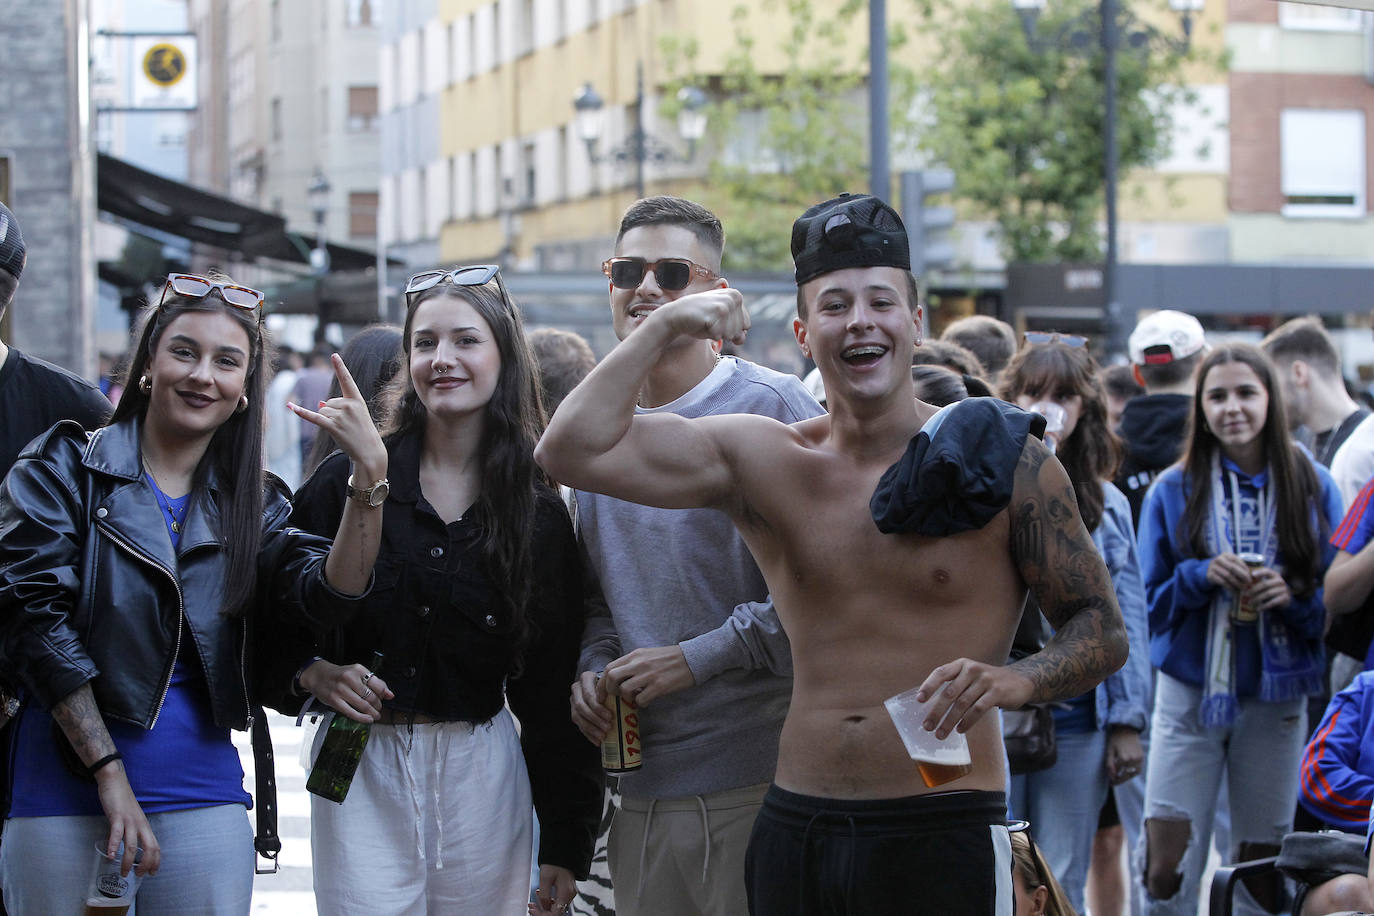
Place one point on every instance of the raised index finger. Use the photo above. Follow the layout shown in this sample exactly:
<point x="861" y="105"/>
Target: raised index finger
<point x="347" y="387"/>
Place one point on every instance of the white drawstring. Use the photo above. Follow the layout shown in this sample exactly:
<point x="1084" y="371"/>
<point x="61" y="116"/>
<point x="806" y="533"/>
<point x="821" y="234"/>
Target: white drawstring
<point x="408" y="743"/>
<point x="441" y="754"/>
<point x="705" y="836"/>
<point x="705" y="839"/>
<point x="644" y="848"/>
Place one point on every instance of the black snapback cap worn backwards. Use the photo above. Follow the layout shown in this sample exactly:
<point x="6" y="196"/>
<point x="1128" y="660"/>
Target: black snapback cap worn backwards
<point x="852" y="230"/>
<point x="11" y="244"/>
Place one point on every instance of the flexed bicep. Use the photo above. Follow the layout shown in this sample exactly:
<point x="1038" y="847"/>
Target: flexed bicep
<point x="670" y="462"/>
<point x="596" y="441"/>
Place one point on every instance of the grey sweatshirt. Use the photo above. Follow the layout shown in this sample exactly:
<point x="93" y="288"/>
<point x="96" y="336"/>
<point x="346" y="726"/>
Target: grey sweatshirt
<point x="684" y="576"/>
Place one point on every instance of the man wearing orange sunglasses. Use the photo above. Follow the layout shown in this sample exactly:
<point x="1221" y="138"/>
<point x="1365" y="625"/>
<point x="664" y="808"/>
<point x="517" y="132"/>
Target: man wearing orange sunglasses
<point x="681" y="635"/>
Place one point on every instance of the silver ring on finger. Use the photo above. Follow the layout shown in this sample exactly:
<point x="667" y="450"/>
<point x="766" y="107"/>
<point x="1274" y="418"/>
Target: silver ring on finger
<point x="367" y="677"/>
<point x="367" y="692"/>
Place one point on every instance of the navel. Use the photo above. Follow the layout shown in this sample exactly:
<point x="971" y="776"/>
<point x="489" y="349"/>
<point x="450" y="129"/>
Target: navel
<point x="941" y="576"/>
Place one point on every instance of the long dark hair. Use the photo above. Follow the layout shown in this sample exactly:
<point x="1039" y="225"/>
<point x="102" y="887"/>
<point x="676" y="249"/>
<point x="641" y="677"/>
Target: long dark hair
<point x="1294" y="481"/>
<point x="235" y="449"/>
<point x="513" y="420"/>
<point x="1092" y="451"/>
<point x="373" y="357"/>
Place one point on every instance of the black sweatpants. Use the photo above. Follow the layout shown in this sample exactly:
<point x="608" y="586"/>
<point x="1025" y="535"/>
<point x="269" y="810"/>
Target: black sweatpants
<point x="945" y="855"/>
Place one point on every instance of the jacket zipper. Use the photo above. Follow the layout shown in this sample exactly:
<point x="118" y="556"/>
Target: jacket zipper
<point x="243" y="675"/>
<point x="181" y="612"/>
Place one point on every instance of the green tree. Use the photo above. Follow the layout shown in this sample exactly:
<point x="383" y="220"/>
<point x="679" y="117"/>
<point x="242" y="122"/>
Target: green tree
<point x="1024" y="126"/>
<point x="784" y="140"/>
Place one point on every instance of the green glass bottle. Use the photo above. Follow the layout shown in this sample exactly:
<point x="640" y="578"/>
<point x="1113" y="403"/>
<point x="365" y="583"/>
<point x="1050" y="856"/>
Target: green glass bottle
<point x="340" y="753"/>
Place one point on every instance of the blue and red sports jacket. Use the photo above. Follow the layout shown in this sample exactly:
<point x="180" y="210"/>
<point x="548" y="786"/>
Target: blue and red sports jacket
<point x="1336" y="781"/>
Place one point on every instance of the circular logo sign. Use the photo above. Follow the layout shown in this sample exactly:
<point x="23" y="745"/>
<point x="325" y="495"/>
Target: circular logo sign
<point x="164" y="64"/>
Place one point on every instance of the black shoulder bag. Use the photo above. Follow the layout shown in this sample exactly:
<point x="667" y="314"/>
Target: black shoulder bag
<point x="1028" y="732"/>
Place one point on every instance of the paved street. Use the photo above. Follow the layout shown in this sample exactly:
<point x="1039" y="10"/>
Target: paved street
<point x="289" y="892"/>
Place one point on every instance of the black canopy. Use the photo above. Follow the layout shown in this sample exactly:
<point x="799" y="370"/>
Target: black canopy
<point x="131" y="193"/>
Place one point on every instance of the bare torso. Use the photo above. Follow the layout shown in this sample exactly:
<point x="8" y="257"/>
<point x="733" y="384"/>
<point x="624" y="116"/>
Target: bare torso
<point x="869" y="615"/>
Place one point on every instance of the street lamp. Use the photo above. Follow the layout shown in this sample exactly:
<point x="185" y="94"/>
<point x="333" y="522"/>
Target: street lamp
<point x="318" y="194"/>
<point x="640" y="146"/>
<point x="1110" y="41"/>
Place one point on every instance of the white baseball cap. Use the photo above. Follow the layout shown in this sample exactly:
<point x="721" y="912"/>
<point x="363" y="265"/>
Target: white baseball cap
<point x="1165" y="336"/>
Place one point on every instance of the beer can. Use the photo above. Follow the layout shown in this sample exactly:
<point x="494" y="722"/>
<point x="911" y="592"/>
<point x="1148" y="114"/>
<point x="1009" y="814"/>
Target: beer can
<point x="621" y="751"/>
<point x="1245" y="611"/>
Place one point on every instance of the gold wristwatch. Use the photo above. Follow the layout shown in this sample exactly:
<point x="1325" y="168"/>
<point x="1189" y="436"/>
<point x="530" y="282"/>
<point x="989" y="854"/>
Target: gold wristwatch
<point x="373" y="496"/>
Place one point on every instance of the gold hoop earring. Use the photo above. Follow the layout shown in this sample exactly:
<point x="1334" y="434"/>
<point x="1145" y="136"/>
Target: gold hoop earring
<point x="145" y="385"/>
<point x="243" y="404"/>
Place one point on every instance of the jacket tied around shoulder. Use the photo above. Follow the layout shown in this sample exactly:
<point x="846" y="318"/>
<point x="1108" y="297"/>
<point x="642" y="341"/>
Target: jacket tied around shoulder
<point x="958" y="472"/>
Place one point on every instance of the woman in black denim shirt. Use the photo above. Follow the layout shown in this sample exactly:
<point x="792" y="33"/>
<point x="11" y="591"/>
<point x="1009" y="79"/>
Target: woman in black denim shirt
<point x="477" y="600"/>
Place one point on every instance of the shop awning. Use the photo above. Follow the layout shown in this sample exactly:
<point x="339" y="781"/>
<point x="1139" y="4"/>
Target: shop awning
<point x="139" y="196"/>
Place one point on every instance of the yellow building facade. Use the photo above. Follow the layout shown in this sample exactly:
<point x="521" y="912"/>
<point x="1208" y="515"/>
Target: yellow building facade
<point x="509" y="177"/>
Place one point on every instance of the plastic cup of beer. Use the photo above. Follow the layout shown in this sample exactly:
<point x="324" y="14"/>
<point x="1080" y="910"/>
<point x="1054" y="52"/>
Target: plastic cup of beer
<point x="938" y="761"/>
<point x="110" y="893"/>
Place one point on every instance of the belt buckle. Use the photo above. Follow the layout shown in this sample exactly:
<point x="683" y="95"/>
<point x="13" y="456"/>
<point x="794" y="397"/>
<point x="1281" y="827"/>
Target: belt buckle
<point x="271" y="857"/>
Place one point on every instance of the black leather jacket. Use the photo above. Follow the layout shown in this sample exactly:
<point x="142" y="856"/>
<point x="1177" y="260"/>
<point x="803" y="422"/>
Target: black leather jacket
<point x="91" y="591"/>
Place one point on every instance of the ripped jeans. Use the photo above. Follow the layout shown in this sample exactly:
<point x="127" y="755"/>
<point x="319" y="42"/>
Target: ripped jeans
<point x="1260" y="752"/>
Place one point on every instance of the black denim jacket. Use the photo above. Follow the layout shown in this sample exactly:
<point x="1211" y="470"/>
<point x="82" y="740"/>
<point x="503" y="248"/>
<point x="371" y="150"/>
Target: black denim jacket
<point x="450" y="646"/>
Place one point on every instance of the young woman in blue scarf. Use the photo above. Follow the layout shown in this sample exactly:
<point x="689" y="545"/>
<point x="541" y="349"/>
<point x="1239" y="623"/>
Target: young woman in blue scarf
<point x="1233" y="546"/>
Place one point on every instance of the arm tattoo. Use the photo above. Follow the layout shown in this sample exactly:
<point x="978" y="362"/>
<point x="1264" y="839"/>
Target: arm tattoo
<point x="1062" y="566"/>
<point x="80" y="721"/>
<point x="1027" y="534"/>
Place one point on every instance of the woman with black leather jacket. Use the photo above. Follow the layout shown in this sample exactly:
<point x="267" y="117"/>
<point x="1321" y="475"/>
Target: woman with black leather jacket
<point x="133" y="564"/>
<point x="477" y="600"/>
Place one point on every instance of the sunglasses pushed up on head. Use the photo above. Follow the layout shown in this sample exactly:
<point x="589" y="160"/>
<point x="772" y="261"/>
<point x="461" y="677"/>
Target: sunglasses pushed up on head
<point x="672" y="274"/>
<point x="472" y="275"/>
<point x="192" y="286"/>
<point x="1036" y="338"/>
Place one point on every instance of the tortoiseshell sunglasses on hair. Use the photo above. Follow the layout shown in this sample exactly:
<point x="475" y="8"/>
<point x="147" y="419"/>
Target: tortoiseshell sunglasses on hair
<point x="473" y="275"/>
<point x="195" y="287"/>
<point x="1035" y="338"/>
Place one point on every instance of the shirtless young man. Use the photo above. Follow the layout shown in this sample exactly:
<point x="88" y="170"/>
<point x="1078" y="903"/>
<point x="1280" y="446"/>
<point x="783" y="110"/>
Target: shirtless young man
<point x="849" y="820"/>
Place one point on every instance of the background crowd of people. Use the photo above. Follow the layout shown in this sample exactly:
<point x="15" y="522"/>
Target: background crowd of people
<point x="156" y="590"/>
